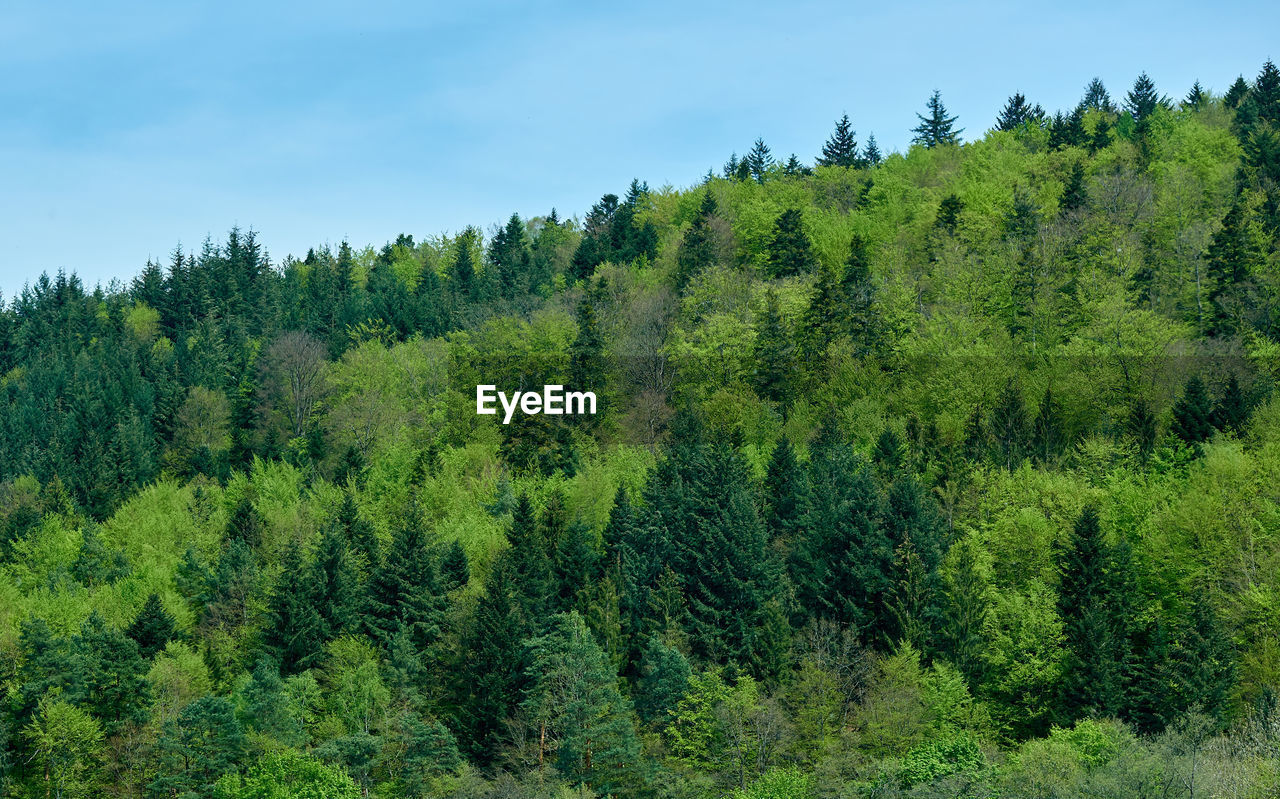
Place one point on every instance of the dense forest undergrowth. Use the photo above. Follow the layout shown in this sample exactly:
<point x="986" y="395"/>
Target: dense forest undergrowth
<point x="947" y="473"/>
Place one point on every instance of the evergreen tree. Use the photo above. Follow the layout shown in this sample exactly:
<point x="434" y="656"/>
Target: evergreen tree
<point x="110" y="675"/>
<point x="587" y="370"/>
<point x="888" y="452"/>
<point x="583" y="722"/>
<point x="203" y="743"/>
<point x="789" y="251"/>
<point x="1231" y="411"/>
<point x="405" y="589"/>
<point x="1143" y="99"/>
<point x="871" y="152"/>
<point x="664" y="680"/>
<point x="1196" y="97"/>
<point x="1095" y="669"/>
<point x="510" y="255"/>
<point x="1009" y="425"/>
<point x="787" y="495"/>
<point x="948" y="216"/>
<point x="1141" y="426"/>
<point x="936" y="129"/>
<point x="596" y="245"/>
<point x="152" y="628"/>
<point x="966" y="606"/>
<point x="334" y="585"/>
<point x="774" y="353"/>
<point x="1097" y="98"/>
<point x="1236" y="93"/>
<point x="490" y="671"/>
<point x="1067" y="130"/>
<point x="1231" y="257"/>
<point x="1193" y="414"/>
<point x="759" y="160"/>
<point x="698" y="247"/>
<point x="1074" y="194"/>
<point x="95" y="564"/>
<point x="463" y="274"/>
<point x="1018" y="112"/>
<point x="293" y="635"/>
<point x="1047" y="439"/>
<point x="1266" y="94"/>
<point x="529" y="561"/>
<point x="245" y="524"/>
<point x="842" y="148"/>
<point x="455" y="570"/>
<point x="859" y="295"/>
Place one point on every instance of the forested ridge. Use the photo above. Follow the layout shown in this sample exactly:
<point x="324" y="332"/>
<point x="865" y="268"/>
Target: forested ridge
<point x="946" y="473"/>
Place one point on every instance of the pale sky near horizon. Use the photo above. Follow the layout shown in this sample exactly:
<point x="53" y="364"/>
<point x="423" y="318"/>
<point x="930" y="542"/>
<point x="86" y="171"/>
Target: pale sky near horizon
<point x="130" y="127"/>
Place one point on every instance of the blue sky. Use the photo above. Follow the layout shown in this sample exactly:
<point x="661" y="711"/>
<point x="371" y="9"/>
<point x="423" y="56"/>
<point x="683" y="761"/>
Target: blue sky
<point x="130" y="127"/>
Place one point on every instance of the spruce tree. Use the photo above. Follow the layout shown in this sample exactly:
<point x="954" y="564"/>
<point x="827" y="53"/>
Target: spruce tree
<point x="110" y="675"/>
<point x="1143" y="99"/>
<point x="455" y="570"/>
<point x="1018" y="112"/>
<point x="858" y="292"/>
<point x="293" y="631"/>
<point x="789" y="250"/>
<point x="463" y="273"/>
<point x="1094" y="670"/>
<point x="1196" y="97"/>
<point x="774" y="353"/>
<point x="842" y="148"/>
<point x="490" y="670"/>
<point x="1097" y="98"/>
<point x="1266" y="94"/>
<point x="1009" y="425"/>
<point x="1231" y="410"/>
<point x="1074" y="194"/>
<point x="1047" y="439"/>
<point x="152" y="628"/>
<point x="530" y="564"/>
<point x="787" y="495"/>
<point x="663" y="682"/>
<point x="698" y="246"/>
<point x="936" y="129"/>
<point x="587" y="369"/>
<point x="1193" y="414"/>
<point x="759" y="160"/>
<point x="824" y="320"/>
<point x="871" y="152"/>
<point x="1141" y="426"/>
<point x="405" y="589"/>
<point x="334" y="585"/>
<point x="204" y="742"/>
<point x="583" y="723"/>
<point x="1236" y="93"/>
<point x="1231" y="257"/>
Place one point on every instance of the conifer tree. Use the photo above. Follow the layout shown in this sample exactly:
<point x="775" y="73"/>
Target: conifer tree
<point x="586" y="355"/>
<point x="1086" y="602"/>
<point x="455" y="570"/>
<point x="1141" y="426"/>
<point x="463" y="274"/>
<point x="824" y="320"/>
<point x="1231" y="256"/>
<point x="1074" y="194"/>
<point x="1018" y="112"/>
<point x="203" y="743"/>
<point x="1196" y="97"/>
<point x="698" y="247"/>
<point x="842" y="148"/>
<point x="1047" y="437"/>
<point x="358" y="532"/>
<point x="583" y="723"/>
<point x="787" y="495"/>
<point x="1097" y="98"/>
<point x="859" y="296"/>
<point x="664" y="680"/>
<point x="333" y="585"/>
<point x="789" y="251"/>
<point x="1009" y="425"/>
<point x="529" y="561"/>
<point x="1143" y="99"/>
<point x="871" y="152"/>
<point x="110" y="675"/>
<point x="1231" y="409"/>
<point x="936" y="129"/>
<point x="293" y="632"/>
<point x="759" y="160"/>
<point x="1193" y="414"/>
<point x="490" y="671"/>
<point x="1266" y="93"/>
<point x="966" y="606"/>
<point x="152" y="628"/>
<point x="510" y="255"/>
<point x="774" y="353"/>
<point x="405" y="589"/>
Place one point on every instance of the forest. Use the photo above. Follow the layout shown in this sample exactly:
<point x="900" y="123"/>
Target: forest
<point x="945" y="473"/>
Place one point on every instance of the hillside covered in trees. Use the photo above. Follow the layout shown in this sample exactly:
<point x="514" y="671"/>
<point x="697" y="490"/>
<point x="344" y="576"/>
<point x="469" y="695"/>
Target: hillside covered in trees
<point x="949" y="473"/>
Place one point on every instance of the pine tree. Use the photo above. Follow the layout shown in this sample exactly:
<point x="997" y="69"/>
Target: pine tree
<point x="1018" y="112"/>
<point x="698" y="247"/>
<point x="787" y="495"/>
<point x="358" y="533"/>
<point x="405" y="590"/>
<point x="95" y="564"/>
<point x="871" y="152"/>
<point x="1067" y="130"/>
<point x="510" y="255"/>
<point x="1141" y="426"/>
<point x="1086" y="602"/>
<point x="152" y="628"/>
<point x="203" y="743"/>
<point x="1009" y="425"/>
<point x="463" y="273"/>
<point x="1237" y="92"/>
<point x="293" y="631"/>
<point x="529" y="560"/>
<point x="455" y="570"/>
<point x="1047" y="439"/>
<point x="1266" y="93"/>
<point x="1231" y="257"/>
<point x="937" y="129"/>
<point x="948" y="216"/>
<point x="1231" y="411"/>
<point x="664" y="680"/>
<point x="759" y="160"/>
<point x="789" y="251"/>
<point x="490" y="671"/>
<point x="1074" y="194"/>
<point x="1196" y="97"/>
<point x="582" y="721"/>
<point x="1142" y="100"/>
<point x="333" y="585"/>
<point x="587" y="370"/>
<point x="824" y="320"/>
<point x="966" y="606"/>
<point x="110" y="675"/>
<point x="245" y="524"/>
<point x="774" y="353"/>
<point x="1193" y="414"/>
<point x="842" y="148"/>
<point x="1097" y="98"/>
<point x="859" y="296"/>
